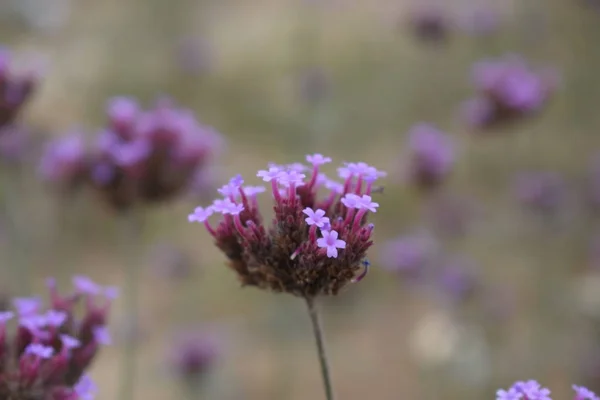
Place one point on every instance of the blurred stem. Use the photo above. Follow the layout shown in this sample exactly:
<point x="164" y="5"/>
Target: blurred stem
<point x="318" y="332"/>
<point x="18" y="267"/>
<point x="131" y="230"/>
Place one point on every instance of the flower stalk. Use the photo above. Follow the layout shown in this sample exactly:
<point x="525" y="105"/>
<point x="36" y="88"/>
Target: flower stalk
<point x="321" y="352"/>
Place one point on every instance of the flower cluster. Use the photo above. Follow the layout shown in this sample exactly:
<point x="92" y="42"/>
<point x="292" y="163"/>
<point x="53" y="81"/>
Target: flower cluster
<point x="142" y="156"/>
<point x="544" y="192"/>
<point x="315" y="245"/>
<point x="532" y="390"/>
<point x="193" y="355"/>
<point x="430" y="24"/>
<point x="431" y="156"/>
<point x="52" y="348"/>
<point x="508" y="89"/>
<point x="15" y="89"/>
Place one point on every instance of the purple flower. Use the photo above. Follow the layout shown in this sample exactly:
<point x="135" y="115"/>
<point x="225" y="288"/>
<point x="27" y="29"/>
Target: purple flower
<point x="39" y="350"/>
<point x="193" y="354"/>
<point x="85" y="285"/>
<point x="63" y="159"/>
<point x="200" y="214"/>
<point x="6" y="316"/>
<point x="511" y="394"/>
<point x="102" y="335"/>
<point x="272" y="174"/>
<point x="582" y="393"/>
<point x="511" y="88"/>
<point x="331" y="242"/>
<point x="69" y="342"/>
<point x="122" y="112"/>
<point x="318" y="159"/>
<point x="316" y="218"/>
<point x="431" y="155"/>
<point x="430" y="24"/>
<point x="541" y="191"/>
<point x="352" y="200"/>
<point x="55" y="318"/>
<point x="27" y="306"/>
<point x="341" y="216"/>
<point x="85" y="388"/>
<point x="291" y="178"/>
<point x="364" y="202"/>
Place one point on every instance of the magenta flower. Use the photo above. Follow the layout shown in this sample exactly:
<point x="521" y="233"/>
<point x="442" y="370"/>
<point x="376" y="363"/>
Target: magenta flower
<point x="55" y="318"/>
<point x="316" y="218"/>
<point x="350" y="200"/>
<point x="6" y="316"/>
<point x="331" y="243"/>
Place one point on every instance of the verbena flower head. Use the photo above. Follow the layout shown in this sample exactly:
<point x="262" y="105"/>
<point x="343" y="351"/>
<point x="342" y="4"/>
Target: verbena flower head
<point x="544" y="192"/>
<point x="15" y="88"/>
<point x="430" y="24"/>
<point x="319" y="236"/>
<point x="193" y="354"/>
<point x="508" y="89"/>
<point x="142" y="156"/>
<point x="532" y="390"/>
<point x="431" y="156"/>
<point x="64" y="161"/>
<point x="583" y="393"/>
<point x="47" y="356"/>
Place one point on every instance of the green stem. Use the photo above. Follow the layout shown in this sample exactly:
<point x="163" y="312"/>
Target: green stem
<point x="131" y="231"/>
<point x="318" y="332"/>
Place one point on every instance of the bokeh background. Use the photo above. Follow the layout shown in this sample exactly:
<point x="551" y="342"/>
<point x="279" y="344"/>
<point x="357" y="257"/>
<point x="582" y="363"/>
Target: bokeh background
<point x="517" y="290"/>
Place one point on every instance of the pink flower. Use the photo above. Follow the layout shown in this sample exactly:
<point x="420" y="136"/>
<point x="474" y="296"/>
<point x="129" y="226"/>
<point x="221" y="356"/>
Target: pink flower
<point x="331" y="242"/>
<point x="200" y="214"/>
<point x="317" y="217"/>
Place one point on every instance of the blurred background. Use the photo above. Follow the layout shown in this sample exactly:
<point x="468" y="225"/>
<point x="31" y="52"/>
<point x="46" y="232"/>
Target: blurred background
<point x="487" y="274"/>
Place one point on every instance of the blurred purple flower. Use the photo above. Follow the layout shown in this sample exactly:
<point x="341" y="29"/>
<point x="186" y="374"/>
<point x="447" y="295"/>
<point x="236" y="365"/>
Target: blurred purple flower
<point x="15" y="88"/>
<point x="193" y="354"/>
<point x="142" y="155"/>
<point x="431" y="156"/>
<point x="63" y="161"/>
<point x="507" y="89"/>
<point x="458" y="280"/>
<point x="410" y="255"/>
<point x="429" y="23"/>
<point x="14" y="141"/>
<point x="544" y="192"/>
